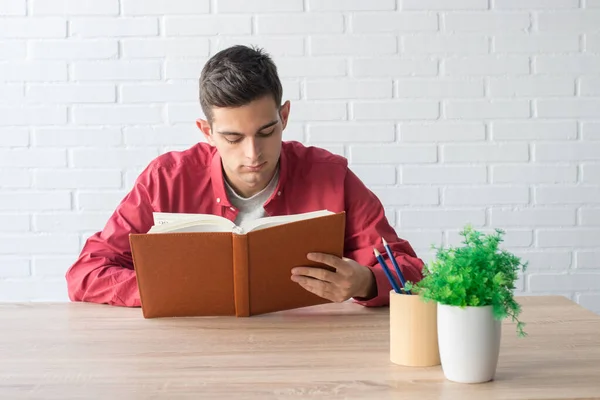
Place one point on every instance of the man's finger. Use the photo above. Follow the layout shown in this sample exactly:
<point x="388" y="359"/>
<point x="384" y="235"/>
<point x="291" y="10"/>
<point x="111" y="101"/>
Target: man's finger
<point x="327" y="259"/>
<point x="312" y="285"/>
<point x="316" y="273"/>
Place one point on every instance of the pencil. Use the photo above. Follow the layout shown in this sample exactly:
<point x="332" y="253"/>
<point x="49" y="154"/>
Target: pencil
<point x="386" y="270"/>
<point x="395" y="264"/>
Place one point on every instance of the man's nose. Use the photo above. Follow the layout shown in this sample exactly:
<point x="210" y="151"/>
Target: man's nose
<point x="252" y="149"/>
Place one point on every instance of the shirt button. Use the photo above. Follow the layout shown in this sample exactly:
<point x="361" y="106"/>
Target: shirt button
<point x="218" y="200"/>
<point x="279" y="193"/>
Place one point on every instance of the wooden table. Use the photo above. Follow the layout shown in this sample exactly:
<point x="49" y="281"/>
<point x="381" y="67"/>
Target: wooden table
<point x="63" y="351"/>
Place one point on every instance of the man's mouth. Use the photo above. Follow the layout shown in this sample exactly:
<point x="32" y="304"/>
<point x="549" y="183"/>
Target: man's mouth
<point x="256" y="167"/>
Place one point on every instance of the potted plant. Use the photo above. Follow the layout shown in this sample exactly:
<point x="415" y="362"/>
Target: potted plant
<point x="473" y="287"/>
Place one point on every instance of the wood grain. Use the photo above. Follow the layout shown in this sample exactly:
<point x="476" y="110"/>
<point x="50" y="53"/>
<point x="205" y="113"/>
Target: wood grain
<point x="64" y="351"/>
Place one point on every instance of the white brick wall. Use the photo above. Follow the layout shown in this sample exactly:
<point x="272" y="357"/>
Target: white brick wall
<point x="158" y="48"/>
<point x="73" y="49"/>
<point x="391" y="22"/>
<point x="164" y="7"/>
<point x="480" y="111"/>
<point x="115" y="70"/>
<point x="208" y="25"/>
<point x="75" y="7"/>
<point x="13" y="7"/>
<point x="262" y="6"/>
<point x="33" y="28"/>
<point x="33" y="71"/>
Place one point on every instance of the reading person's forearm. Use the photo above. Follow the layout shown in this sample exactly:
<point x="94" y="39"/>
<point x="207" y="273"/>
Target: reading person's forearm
<point x="112" y="285"/>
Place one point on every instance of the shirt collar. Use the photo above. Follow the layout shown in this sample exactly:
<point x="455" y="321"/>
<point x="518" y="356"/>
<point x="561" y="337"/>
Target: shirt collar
<point x="218" y="180"/>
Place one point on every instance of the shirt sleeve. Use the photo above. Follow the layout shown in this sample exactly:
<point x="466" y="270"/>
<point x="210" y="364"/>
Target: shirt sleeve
<point x="366" y="224"/>
<point x="104" y="271"/>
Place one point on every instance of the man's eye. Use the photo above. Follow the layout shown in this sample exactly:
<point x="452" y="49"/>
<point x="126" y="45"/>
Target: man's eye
<point x="267" y="134"/>
<point x="233" y="141"/>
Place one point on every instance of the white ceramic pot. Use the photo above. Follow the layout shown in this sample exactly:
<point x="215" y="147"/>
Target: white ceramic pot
<point x="469" y="342"/>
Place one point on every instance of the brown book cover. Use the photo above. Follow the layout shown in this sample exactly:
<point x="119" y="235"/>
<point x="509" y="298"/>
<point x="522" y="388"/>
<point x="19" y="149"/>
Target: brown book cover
<point x="229" y="273"/>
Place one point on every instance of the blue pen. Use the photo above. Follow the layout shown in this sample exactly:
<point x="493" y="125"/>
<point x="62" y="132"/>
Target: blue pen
<point x="386" y="270"/>
<point x="395" y="264"/>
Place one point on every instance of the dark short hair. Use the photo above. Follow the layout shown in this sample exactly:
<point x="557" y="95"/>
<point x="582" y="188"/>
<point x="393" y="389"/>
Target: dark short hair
<point x="237" y="76"/>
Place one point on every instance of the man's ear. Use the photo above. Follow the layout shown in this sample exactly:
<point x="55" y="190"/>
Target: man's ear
<point x="284" y="112"/>
<point x="204" y="126"/>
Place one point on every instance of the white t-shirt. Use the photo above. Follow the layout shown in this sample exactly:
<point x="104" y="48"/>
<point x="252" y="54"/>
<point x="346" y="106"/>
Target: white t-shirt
<point x="251" y="208"/>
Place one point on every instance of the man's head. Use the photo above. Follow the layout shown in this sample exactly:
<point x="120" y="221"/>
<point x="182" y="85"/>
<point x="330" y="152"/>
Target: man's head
<point x="240" y="94"/>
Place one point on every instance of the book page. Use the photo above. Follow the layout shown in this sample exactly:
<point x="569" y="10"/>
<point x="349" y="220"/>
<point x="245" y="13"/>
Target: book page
<point x="267" y="222"/>
<point x="174" y="222"/>
<point x="166" y="218"/>
<point x="180" y="222"/>
<point x="179" y="228"/>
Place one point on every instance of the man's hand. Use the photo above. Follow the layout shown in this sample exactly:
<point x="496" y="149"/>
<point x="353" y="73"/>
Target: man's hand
<point x="350" y="279"/>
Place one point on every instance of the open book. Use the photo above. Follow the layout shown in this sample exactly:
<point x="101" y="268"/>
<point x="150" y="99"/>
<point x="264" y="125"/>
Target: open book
<point x="201" y="265"/>
<point x="180" y="222"/>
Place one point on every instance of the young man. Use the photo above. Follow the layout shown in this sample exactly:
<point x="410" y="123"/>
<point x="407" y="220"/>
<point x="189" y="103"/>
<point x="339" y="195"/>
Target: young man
<point x="243" y="173"/>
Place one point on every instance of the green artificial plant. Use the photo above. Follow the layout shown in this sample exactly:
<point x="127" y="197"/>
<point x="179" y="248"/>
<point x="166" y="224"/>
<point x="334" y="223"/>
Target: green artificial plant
<point x="476" y="274"/>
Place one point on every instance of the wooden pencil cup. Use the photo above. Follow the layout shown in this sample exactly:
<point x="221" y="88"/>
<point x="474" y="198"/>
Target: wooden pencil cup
<point x="413" y="331"/>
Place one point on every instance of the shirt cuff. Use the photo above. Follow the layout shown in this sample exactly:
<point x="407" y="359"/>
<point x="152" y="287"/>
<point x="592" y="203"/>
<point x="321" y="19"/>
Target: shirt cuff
<point x="383" y="290"/>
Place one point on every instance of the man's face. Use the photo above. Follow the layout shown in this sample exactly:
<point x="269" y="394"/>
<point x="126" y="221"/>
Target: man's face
<point x="248" y="139"/>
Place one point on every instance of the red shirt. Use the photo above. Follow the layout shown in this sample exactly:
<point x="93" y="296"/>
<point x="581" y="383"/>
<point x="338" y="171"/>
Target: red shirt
<point x="191" y="181"/>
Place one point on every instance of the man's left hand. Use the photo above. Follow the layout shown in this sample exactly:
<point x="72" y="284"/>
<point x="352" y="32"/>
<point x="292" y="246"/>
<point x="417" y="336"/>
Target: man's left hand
<point x="350" y="279"/>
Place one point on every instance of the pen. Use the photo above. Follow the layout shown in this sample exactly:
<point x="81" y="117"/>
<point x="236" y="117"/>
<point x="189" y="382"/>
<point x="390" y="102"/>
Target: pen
<point x="395" y="264"/>
<point x="386" y="270"/>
